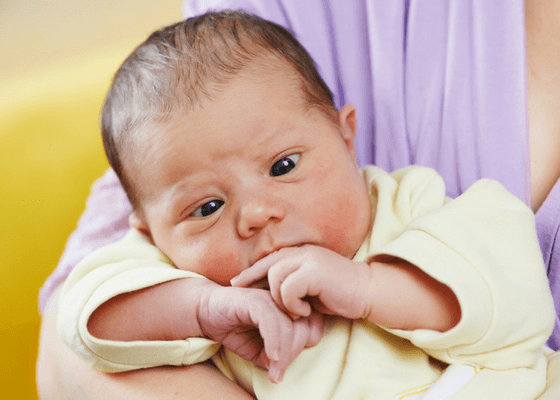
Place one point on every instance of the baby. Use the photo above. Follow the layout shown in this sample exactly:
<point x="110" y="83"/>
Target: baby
<point x="367" y="284"/>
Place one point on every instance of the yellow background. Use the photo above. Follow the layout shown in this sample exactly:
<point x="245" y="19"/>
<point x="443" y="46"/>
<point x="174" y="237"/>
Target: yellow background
<point x="57" y="59"/>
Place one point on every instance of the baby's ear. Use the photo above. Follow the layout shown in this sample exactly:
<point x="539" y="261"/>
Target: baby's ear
<point x="137" y="222"/>
<point x="347" y="123"/>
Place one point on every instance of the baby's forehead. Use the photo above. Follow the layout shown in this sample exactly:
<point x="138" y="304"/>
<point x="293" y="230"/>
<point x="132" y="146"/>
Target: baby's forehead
<point x="255" y="99"/>
<point x="218" y="96"/>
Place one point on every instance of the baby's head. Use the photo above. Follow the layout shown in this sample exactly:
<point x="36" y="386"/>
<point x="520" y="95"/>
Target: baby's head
<point x="228" y="145"/>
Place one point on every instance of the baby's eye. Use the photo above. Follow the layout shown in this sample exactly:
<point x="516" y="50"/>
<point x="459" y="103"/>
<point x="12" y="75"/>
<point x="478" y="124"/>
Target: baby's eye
<point x="208" y="208"/>
<point x="284" y="165"/>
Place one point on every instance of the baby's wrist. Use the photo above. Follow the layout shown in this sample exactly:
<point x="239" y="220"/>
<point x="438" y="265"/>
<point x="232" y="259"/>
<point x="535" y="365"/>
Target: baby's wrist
<point x="205" y="291"/>
<point x="191" y="293"/>
<point x="366" y="301"/>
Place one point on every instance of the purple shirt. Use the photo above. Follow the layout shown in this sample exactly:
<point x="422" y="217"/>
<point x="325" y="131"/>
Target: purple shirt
<point x="435" y="83"/>
<point x="548" y="227"/>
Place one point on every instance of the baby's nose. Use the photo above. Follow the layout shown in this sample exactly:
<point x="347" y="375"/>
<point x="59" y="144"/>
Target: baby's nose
<point x="256" y="214"/>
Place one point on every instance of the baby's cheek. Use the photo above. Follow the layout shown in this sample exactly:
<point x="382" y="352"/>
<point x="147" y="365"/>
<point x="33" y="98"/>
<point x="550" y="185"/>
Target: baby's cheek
<point x="221" y="266"/>
<point x="217" y="263"/>
<point x="213" y="257"/>
<point x="346" y="223"/>
<point x="337" y="234"/>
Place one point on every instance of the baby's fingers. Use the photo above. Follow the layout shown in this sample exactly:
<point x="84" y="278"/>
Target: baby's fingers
<point x="292" y="290"/>
<point x="316" y="324"/>
<point x="297" y="341"/>
<point x="279" y="333"/>
<point x="257" y="272"/>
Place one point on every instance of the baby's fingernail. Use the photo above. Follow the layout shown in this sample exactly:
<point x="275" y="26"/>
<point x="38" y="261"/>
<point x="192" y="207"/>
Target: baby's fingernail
<point x="232" y="281"/>
<point x="275" y="356"/>
<point x="275" y="375"/>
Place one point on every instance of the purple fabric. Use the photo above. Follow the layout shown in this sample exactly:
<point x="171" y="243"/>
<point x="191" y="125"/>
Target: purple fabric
<point x="435" y="83"/>
<point x="548" y="226"/>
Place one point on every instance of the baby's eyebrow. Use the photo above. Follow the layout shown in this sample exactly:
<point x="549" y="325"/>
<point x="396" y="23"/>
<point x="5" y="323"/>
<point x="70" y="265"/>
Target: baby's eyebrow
<point x="181" y="192"/>
<point x="191" y="186"/>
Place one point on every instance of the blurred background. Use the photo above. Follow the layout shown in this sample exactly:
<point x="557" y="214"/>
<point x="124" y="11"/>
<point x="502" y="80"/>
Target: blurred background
<point x="57" y="59"/>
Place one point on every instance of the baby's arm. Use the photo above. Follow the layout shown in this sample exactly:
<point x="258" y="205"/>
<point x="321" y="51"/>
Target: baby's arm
<point x="482" y="246"/>
<point x="63" y="375"/>
<point x="388" y="291"/>
<point x="238" y="318"/>
<point x="129" y="292"/>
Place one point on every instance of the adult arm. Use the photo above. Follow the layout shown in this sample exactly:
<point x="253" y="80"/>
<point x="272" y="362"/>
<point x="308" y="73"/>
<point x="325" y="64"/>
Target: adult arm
<point x="63" y="375"/>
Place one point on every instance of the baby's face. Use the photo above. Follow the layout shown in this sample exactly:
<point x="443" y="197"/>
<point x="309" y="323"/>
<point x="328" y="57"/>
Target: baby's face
<point x="248" y="173"/>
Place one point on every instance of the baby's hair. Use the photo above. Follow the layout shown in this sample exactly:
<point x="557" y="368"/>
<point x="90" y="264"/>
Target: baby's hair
<point x="180" y="65"/>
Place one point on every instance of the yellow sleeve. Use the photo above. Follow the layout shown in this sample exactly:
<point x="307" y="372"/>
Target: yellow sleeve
<point x="484" y="246"/>
<point x="126" y="266"/>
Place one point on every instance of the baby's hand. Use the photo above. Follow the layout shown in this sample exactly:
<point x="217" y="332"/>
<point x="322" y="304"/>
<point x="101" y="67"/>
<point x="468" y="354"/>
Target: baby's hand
<point x="335" y="284"/>
<point x="249" y="323"/>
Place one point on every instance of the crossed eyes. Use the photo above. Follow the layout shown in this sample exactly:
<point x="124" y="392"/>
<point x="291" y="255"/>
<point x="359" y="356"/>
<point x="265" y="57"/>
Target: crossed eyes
<point x="280" y="167"/>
